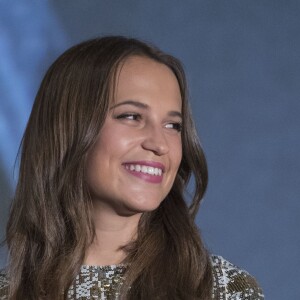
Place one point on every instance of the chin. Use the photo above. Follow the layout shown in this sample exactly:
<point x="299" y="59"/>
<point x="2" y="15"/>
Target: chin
<point x="142" y="208"/>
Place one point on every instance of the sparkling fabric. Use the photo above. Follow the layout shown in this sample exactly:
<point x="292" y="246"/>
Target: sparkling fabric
<point x="94" y="282"/>
<point x="3" y="285"/>
<point x="232" y="283"/>
<point x="103" y="283"/>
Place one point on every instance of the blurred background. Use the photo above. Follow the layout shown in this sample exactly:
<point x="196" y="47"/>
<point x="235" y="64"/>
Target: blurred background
<point x="242" y="60"/>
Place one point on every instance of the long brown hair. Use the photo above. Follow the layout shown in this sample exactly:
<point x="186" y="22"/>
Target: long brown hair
<point x="50" y="224"/>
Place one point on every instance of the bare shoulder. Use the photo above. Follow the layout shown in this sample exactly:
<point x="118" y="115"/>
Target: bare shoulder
<point x="3" y="285"/>
<point x="233" y="283"/>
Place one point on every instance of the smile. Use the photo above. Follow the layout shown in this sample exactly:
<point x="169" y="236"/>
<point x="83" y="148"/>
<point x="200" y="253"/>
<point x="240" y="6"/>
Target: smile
<point x="149" y="171"/>
<point x="144" y="169"/>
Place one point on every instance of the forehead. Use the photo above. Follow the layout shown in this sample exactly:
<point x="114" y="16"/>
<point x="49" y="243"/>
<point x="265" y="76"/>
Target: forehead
<point x="138" y="75"/>
<point x="141" y="66"/>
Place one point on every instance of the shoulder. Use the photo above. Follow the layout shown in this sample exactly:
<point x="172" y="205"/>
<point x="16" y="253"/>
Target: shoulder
<point x="3" y="285"/>
<point x="233" y="283"/>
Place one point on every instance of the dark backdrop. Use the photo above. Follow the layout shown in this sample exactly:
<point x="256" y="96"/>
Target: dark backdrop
<point x="242" y="62"/>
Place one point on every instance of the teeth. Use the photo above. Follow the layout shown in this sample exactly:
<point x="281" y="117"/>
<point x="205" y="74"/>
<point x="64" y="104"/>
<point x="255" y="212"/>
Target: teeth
<point x="144" y="169"/>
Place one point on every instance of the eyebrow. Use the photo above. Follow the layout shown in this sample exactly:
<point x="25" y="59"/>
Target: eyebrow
<point x="131" y="102"/>
<point x="172" y="113"/>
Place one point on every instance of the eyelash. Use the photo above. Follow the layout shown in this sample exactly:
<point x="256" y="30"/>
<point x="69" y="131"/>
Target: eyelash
<point x="137" y="117"/>
<point x="176" y="126"/>
<point x="130" y="116"/>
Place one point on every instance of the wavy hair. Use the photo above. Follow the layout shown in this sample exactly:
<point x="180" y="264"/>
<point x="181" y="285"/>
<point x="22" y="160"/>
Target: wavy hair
<point x="50" y="224"/>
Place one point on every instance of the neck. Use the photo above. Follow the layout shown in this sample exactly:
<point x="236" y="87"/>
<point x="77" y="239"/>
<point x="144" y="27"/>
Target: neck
<point x="112" y="232"/>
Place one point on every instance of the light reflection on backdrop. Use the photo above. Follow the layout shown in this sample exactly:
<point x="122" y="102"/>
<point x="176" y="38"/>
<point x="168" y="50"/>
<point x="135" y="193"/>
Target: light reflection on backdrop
<point x="30" y="37"/>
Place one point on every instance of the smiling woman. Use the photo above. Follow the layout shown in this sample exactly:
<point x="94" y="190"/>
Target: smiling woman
<point x="99" y="211"/>
<point x="139" y="138"/>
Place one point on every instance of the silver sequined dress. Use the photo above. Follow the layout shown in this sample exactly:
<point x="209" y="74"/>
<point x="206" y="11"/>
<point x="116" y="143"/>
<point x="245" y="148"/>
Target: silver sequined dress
<point x="95" y="282"/>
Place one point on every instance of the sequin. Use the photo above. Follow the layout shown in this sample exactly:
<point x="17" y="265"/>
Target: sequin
<point x="104" y="283"/>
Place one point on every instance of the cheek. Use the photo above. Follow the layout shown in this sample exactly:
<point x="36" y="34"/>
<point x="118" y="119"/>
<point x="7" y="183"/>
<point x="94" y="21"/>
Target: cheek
<point x="176" y="157"/>
<point x="115" y="140"/>
<point x="178" y="152"/>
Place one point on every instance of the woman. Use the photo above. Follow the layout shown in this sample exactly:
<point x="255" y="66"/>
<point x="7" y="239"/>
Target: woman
<point x="99" y="210"/>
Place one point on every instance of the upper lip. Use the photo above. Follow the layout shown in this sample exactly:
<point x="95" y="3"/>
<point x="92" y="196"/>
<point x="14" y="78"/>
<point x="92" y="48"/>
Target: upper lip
<point x="148" y="163"/>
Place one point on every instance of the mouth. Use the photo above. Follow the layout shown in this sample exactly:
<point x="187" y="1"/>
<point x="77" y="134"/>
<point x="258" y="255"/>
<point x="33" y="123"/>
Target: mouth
<point x="148" y="171"/>
<point x="144" y="169"/>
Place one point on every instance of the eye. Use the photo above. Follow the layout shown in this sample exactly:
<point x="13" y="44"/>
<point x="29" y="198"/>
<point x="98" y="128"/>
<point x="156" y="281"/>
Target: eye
<point x="175" y="126"/>
<point x="130" y="116"/>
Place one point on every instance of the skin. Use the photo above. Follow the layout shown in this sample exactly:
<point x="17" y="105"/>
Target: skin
<point x="141" y="126"/>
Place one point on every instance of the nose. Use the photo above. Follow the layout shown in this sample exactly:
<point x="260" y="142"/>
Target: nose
<point x="155" y="141"/>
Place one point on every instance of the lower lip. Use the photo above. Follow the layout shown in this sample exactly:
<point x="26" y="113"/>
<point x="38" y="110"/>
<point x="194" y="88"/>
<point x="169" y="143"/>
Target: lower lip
<point x="146" y="177"/>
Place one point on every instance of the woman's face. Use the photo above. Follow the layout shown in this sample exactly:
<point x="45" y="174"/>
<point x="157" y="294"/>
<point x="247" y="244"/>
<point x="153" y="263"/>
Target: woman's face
<point x="133" y="164"/>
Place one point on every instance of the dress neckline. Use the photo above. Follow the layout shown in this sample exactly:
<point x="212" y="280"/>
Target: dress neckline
<point x="102" y="267"/>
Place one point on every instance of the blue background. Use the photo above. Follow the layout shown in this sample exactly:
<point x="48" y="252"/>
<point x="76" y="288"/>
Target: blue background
<point x="242" y="60"/>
